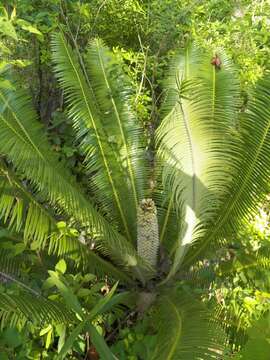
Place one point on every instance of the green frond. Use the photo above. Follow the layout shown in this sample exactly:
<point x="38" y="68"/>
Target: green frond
<point x="186" y="330"/>
<point x="22" y="140"/>
<point x="167" y="215"/>
<point x="65" y="246"/>
<point x="10" y="272"/>
<point x="232" y="323"/>
<point x="113" y="94"/>
<point x="196" y="142"/>
<point x="93" y="262"/>
<point x="201" y="275"/>
<point x="18" y="309"/>
<point x="8" y="266"/>
<point x="251" y="184"/>
<point x="256" y="261"/>
<point x="256" y="344"/>
<point x="27" y="305"/>
<point x="21" y="211"/>
<point x="106" y="127"/>
<point x="183" y="65"/>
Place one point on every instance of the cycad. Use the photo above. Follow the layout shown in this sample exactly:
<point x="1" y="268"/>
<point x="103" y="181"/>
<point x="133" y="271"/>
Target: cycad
<point x="212" y="170"/>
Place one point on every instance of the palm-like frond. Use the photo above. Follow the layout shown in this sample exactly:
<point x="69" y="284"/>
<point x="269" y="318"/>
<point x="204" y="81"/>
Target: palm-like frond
<point x="196" y="143"/>
<point x="251" y="184"/>
<point x="16" y="312"/>
<point x="214" y="171"/>
<point x="18" y="309"/>
<point x="106" y="126"/>
<point x="9" y="269"/>
<point x="167" y="212"/>
<point x="27" y="305"/>
<point x="68" y="247"/>
<point x="186" y="330"/>
<point x="113" y="93"/>
<point x="21" y="211"/>
<point x="22" y="140"/>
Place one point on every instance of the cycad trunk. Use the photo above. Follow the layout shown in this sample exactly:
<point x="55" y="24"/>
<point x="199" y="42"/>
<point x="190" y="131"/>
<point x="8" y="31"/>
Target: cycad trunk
<point x="147" y="232"/>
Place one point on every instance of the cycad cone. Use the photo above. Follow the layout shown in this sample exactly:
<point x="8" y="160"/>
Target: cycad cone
<point x="147" y="232"/>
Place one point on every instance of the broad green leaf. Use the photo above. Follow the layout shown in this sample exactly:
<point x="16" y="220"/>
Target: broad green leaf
<point x="45" y="330"/>
<point x="3" y="63"/>
<point x="21" y="63"/>
<point x="7" y="29"/>
<point x="61" y="330"/>
<point x="61" y="225"/>
<point x="25" y="25"/>
<point x="13" y="14"/>
<point x="70" y="299"/>
<point x="12" y="337"/>
<point x="83" y="292"/>
<point x="98" y="308"/>
<point x="49" y="337"/>
<point x="19" y="248"/>
<point x="61" y="266"/>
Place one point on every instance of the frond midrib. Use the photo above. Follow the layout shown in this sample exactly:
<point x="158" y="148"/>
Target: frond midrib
<point x="118" y="202"/>
<point x="13" y="181"/>
<point x="179" y="331"/>
<point x="21" y="127"/>
<point x="191" y="151"/>
<point x="170" y="206"/>
<point x="233" y="200"/>
<point x="16" y="183"/>
<point x="120" y="128"/>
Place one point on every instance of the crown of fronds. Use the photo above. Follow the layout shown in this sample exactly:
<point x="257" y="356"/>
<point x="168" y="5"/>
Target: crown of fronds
<point x="212" y="170"/>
